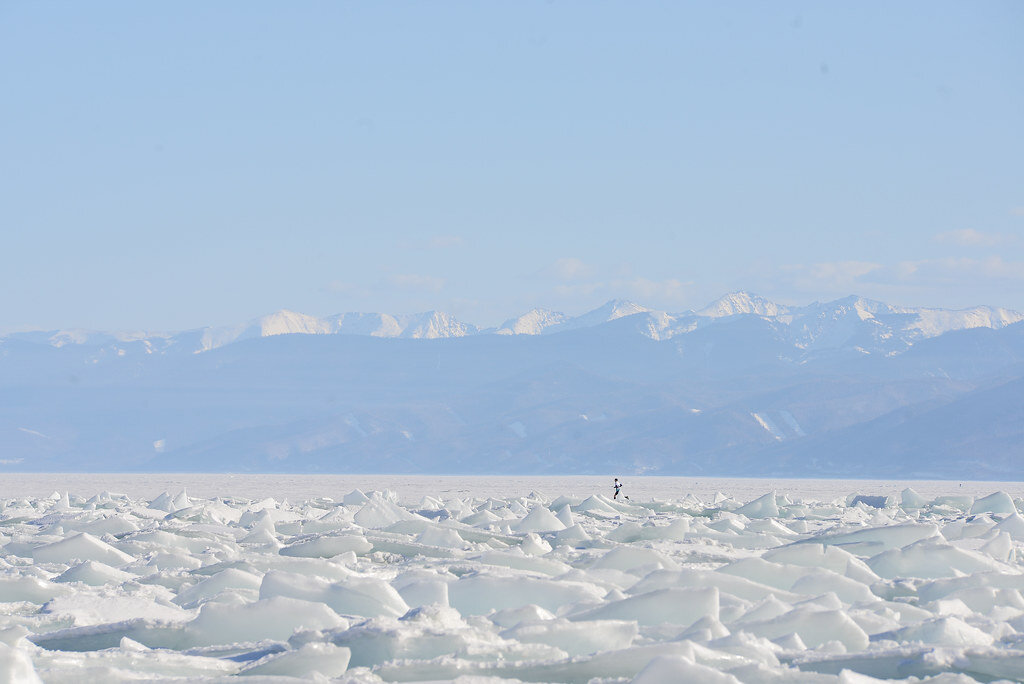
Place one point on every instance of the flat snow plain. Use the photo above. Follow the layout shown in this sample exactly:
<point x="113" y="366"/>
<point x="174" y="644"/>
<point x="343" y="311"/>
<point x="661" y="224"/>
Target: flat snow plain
<point x="413" y="579"/>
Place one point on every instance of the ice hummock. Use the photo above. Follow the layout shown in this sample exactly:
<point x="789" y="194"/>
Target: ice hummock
<point x="861" y="586"/>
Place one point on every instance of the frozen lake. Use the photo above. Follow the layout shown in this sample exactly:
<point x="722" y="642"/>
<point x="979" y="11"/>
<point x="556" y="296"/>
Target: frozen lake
<point x="411" y="488"/>
<point x="370" y="579"/>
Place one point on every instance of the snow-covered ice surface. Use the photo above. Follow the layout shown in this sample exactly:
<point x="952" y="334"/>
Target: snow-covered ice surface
<point x="403" y="578"/>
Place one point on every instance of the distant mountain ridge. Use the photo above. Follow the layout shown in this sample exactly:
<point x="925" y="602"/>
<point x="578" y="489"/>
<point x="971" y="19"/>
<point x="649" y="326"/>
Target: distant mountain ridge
<point x="867" y="325"/>
<point x="742" y="387"/>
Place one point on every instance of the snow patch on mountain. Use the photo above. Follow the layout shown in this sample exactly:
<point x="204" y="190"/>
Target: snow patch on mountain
<point x="791" y="421"/>
<point x="656" y="325"/>
<point x="610" y="311"/>
<point x="737" y="303"/>
<point x="934" y="322"/>
<point x="769" y="425"/>
<point x="433" y="325"/>
<point x="371" y="324"/>
<point x="532" y="322"/>
<point x="283" y="322"/>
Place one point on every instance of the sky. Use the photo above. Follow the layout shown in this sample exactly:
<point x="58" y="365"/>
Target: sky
<point x="166" y="166"/>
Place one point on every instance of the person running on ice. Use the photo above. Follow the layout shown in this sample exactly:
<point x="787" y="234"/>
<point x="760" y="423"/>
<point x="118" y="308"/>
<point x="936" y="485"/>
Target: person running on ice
<point x="618" y="486"/>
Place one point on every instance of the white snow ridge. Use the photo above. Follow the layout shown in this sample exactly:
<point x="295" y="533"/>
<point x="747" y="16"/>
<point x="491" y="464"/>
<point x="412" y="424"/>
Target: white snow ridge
<point x="526" y="589"/>
<point x="844" y="322"/>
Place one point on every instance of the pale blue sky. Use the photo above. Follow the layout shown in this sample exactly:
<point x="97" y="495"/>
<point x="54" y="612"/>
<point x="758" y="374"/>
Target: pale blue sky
<point x="173" y="165"/>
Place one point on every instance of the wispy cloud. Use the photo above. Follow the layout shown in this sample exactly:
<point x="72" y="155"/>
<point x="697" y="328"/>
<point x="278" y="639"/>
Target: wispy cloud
<point x="400" y="282"/>
<point x="842" y="271"/>
<point x="941" y="281"/>
<point x="957" y="269"/>
<point x="660" y="292"/>
<point x="968" y="237"/>
<point x="569" y="269"/>
<point x="341" y="287"/>
<point x="667" y="293"/>
<point x="413" y="281"/>
<point x="828" y="276"/>
<point x="578" y="289"/>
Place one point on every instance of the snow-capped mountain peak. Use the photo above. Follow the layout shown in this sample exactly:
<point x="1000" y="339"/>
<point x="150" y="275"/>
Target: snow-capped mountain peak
<point x="612" y="310"/>
<point x="736" y="303"/>
<point x="371" y="324"/>
<point x="609" y="311"/>
<point x="433" y="325"/>
<point x="285" y="322"/>
<point x="282" y="322"/>
<point x="618" y="308"/>
<point x="851" y="322"/>
<point x="934" y="322"/>
<point x="533" y="322"/>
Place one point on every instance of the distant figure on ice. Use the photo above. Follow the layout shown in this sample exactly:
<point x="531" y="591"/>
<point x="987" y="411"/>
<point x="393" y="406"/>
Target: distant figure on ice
<point x="618" y="486"/>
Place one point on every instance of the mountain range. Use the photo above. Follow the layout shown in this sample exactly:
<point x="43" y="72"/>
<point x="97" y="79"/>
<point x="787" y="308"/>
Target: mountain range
<point x="744" y="386"/>
<point x="833" y="324"/>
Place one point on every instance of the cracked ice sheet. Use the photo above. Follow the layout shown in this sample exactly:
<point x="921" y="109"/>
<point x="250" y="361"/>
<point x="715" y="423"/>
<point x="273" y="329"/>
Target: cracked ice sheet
<point x="726" y="581"/>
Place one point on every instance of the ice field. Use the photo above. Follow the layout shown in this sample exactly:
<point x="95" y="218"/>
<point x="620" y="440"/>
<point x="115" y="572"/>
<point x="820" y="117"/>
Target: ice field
<point x="416" y="579"/>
